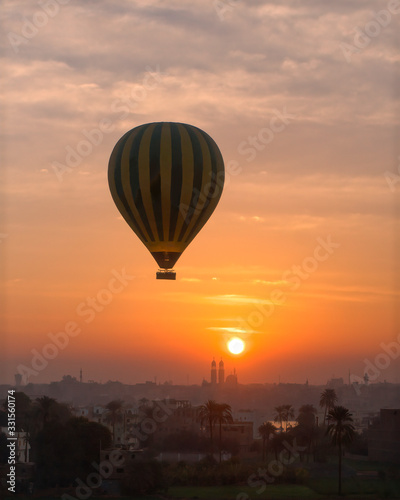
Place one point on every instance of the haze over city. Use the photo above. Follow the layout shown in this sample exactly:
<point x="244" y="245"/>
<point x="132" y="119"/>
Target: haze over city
<point x="300" y="257"/>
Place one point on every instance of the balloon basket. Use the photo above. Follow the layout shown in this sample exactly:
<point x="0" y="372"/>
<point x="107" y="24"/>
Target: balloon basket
<point x="166" y="274"/>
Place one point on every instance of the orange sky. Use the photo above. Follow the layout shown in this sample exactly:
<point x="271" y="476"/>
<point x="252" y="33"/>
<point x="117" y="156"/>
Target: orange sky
<point x="255" y="270"/>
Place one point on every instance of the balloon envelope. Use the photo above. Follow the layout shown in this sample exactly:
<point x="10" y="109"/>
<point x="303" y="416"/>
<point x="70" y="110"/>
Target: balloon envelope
<point x="166" y="180"/>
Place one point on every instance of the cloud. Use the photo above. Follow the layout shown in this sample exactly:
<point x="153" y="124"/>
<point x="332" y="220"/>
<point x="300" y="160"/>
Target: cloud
<point x="306" y="201"/>
<point x="322" y="174"/>
<point x="236" y="300"/>
<point x="214" y="75"/>
<point x="270" y="283"/>
<point x="354" y="294"/>
<point x="229" y="329"/>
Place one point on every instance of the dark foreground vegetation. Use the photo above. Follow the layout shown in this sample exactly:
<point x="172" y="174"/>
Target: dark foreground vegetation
<point x="304" y="461"/>
<point x="234" y="480"/>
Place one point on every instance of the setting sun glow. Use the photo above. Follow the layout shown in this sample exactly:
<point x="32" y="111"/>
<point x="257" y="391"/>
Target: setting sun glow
<point x="294" y="274"/>
<point x="236" y="345"/>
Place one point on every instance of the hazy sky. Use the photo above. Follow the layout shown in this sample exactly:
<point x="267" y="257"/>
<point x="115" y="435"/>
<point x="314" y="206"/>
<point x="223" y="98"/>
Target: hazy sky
<point x="300" y="258"/>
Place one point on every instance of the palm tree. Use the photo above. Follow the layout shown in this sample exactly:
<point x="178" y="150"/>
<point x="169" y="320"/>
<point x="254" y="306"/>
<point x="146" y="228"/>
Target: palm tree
<point x="289" y="414"/>
<point x="114" y="413"/>
<point x="306" y="425"/>
<point x="223" y="416"/>
<point x="307" y="414"/>
<point x="341" y="431"/>
<point x="277" y="443"/>
<point x="266" y="430"/>
<point x="208" y="412"/>
<point x="45" y="405"/>
<point x="328" y="400"/>
<point x="26" y="440"/>
<point x="283" y="414"/>
<point x="280" y="416"/>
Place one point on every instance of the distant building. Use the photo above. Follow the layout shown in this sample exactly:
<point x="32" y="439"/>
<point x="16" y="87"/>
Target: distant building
<point x="116" y="465"/>
<point x="184" y="417"/>
<point x="122" y="427"/>
<point x="241" y="433"/>
<point x="231" y="380"/>
<point x="213" y="372"/>
<point x="82" y="412"/>
<point x="362" y="419"/>
<point x="22" y="445"/>
<point x="257" y="417"/>
<point x="334" y="383"/>
<point x="221" y="373"/>
<point x="384" y="437"/>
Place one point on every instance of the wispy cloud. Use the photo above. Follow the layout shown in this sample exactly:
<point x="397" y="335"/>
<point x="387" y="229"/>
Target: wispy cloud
<point x="236" y="300"/>
<point x="229" y="329"/>
<point x="322" y="175"/>
<point x="354" y="294"/>
<point x="270" y="283"/>
<point x="245" y="333"/>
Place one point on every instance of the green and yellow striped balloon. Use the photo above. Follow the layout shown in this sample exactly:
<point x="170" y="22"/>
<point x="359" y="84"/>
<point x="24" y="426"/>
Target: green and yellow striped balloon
<point x="166" y="180"/>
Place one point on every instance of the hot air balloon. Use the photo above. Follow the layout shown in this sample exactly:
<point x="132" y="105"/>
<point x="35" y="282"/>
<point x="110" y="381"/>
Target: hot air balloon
<point x="166" y="180"/>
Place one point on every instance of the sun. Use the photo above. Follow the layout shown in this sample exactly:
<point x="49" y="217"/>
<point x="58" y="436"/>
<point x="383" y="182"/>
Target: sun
<point x="236" y="345"/>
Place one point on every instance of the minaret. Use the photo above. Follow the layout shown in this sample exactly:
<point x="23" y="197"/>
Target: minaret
<point x="80" y="376"/>
<point x="221" y="373"/>
<point x="213" y="372"/>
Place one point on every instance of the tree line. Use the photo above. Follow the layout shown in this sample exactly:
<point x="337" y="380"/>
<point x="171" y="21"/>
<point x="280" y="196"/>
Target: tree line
<point x="61" y="445"/>
<point x="311" y="439"/>
<point x="64" y="447"/>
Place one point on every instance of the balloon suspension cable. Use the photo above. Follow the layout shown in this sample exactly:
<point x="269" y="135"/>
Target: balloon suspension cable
<point x="166" y="274"/>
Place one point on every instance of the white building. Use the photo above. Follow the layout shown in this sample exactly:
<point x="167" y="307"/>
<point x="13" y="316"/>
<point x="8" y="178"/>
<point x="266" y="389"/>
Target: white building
<point x="22" y="445"/>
